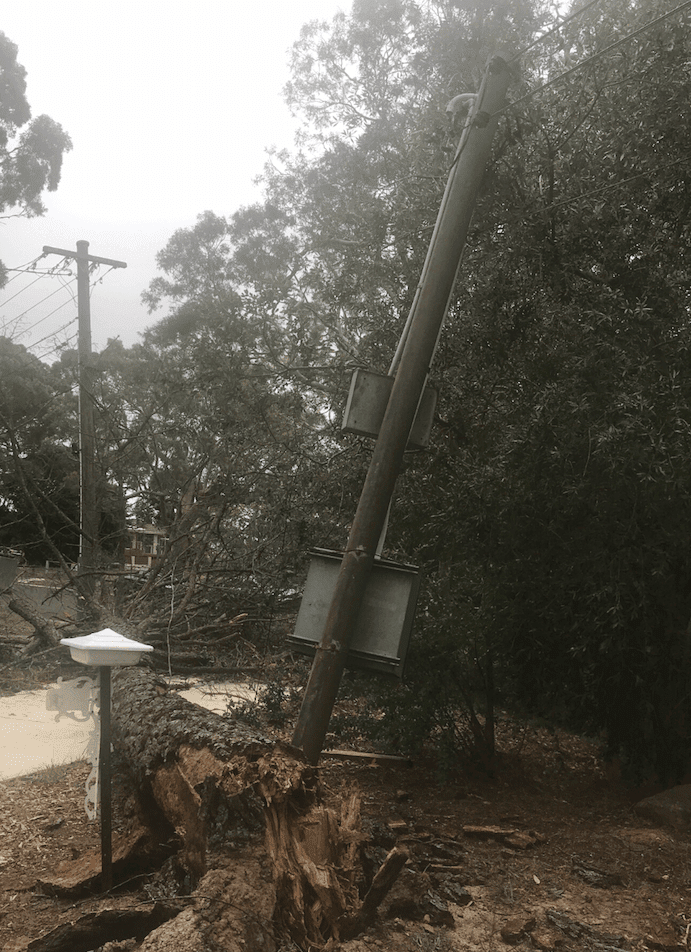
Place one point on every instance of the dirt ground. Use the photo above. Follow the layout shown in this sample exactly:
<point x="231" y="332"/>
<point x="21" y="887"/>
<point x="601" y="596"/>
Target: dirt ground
<point x="547" y="855"/>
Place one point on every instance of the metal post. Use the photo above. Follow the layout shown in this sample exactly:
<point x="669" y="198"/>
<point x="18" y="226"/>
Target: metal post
<point x="429" y="307"/>
<point x="104" y="769"/>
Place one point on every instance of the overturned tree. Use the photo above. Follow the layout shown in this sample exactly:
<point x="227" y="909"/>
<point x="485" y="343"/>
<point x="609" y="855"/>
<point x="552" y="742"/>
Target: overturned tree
<point x="215" y="780"/>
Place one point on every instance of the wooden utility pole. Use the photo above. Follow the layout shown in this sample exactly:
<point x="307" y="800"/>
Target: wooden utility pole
<point x="424" y="326"/>
<point x="88" y="518"/>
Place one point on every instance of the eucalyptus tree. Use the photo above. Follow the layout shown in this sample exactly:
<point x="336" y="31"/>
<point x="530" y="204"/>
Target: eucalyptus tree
<point x="224" y="423"/>
<point x="31" y="150"/>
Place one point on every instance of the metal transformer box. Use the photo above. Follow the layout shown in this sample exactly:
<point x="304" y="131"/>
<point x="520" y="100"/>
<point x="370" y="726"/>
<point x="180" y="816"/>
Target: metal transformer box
<point x="386" y="617"/>
<point x="367" y="401"/>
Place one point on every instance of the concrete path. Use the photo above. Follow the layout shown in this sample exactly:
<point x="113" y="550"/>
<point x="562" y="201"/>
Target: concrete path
<point x="31" y="739"/>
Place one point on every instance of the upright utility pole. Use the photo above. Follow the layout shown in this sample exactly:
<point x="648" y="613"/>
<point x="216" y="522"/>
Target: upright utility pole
<point x="427" y="314"/>
<point x="88" y="519"/>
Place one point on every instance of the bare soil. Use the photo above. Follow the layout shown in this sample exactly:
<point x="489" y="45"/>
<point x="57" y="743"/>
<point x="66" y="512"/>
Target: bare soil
<point x="549" y="854"/>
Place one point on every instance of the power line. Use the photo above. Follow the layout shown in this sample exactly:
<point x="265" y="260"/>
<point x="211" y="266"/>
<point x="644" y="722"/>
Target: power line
<point x="553" y="30"/>
<point x="53" y="333"/>
<point x="29" y="268"/>
<point x="54" y="311"/>
<point x="611" y="185"/>
<point x="25" y="288"/>
<point x="38" y="303"/>
<point x="65" y="285"/>
<point x="639" y="175"/>
<point x="65" y="344"/>
<point x="60" y="346"/>
<point x="24" y="269"/>
<point x="596" y="56"/>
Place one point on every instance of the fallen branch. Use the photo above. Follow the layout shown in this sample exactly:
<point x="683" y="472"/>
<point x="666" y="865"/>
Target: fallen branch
<point x="45" y="633"/>
<point x="378" y="891"/>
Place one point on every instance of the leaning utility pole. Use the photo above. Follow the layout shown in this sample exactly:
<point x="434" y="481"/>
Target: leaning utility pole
<point x="88" y="518"/>
<point x="422" y="332"/>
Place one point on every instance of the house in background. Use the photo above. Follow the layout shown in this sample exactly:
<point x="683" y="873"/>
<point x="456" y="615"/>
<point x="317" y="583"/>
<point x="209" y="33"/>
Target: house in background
<point x="145" y="544"/>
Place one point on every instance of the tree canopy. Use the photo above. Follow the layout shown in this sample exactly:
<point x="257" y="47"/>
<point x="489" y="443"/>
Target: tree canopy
<point x="31" y="150"/>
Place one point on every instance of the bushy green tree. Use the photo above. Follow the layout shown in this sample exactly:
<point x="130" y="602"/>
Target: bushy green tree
<point x="39" y="472"/>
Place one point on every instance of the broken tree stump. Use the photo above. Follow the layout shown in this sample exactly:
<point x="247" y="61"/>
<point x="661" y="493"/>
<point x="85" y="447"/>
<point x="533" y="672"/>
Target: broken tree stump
<point x="216" y="781"/>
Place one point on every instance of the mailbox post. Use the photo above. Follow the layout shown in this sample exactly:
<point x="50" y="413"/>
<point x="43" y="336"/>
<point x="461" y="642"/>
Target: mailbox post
<point x="105" y="650"/>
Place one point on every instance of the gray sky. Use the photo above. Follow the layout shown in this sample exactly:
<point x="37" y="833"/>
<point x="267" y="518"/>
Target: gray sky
<point x="171" y="106"/>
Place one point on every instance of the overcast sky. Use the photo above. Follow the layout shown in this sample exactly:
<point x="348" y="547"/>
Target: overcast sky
<point x="171" y="106"/>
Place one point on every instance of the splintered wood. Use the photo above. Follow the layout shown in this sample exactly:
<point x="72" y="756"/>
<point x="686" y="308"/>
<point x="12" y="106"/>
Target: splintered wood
<point x="209" y="777"/>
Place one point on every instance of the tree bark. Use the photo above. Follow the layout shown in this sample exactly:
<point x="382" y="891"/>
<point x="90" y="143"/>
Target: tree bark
<point x="215" y="780"/>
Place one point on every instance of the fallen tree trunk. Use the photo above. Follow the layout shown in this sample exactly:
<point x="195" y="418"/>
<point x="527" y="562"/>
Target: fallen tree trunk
<point x="216" y="780"/>
<point x="45" y="633"/>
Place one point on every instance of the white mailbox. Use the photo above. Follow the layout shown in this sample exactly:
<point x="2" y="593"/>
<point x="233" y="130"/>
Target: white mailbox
<point x="105" y="649"/>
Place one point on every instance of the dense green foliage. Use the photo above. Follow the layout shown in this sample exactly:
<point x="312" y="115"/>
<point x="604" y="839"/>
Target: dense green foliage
<point x="39" y="461"/>
<point x="564" y="402"/>
<point x="39" y="474"/>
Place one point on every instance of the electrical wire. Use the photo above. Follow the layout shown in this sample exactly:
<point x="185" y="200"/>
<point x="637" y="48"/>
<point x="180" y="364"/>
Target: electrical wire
<point x="553" y="30"/>
<point x="66" y="286"/>
<point x="53" y="333"/>
<point x="61" y="347"/>
<point x="595" y="56"/>
<point x="37" y="304"/>
<point x="64" y="264"/>
<point x="611" y="185"/>
<point x="54" y="311"/>
<point x="25" y="288"/>
<point x="58" y="347"/>
<point x="63" y="286"/>
<point x="23" y="269"/>
<point x="42" y="274"/>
